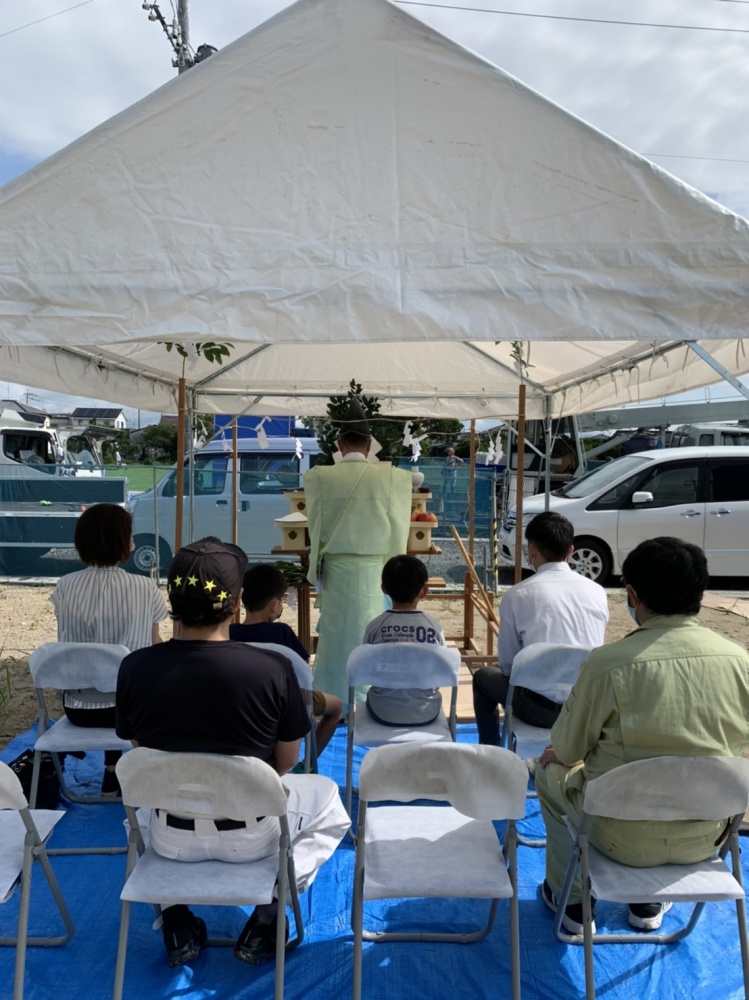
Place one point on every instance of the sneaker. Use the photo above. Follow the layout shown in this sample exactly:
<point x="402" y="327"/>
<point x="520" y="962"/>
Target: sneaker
<point x="572" y="921"/>
<point x="110" y="784"/>
<point x="257" y="942"/>
<point x="647" y="916"/>
<point x="185" y="935"/>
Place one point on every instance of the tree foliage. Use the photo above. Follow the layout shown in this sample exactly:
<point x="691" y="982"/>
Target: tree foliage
<point x="160" y="442"/>
<point x="387" y="431"/>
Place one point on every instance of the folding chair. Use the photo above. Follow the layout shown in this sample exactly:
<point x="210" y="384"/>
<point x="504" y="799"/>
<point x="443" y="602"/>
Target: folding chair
<point x="23" y="836"/>
<point x="549" y="669"/>
<point x="408" y="851"/>
<point x="398" y="665"/>
<point x="70" y="665"/>
<point x="304" y="676"/>
<point x="205" y="786"/>
<point x="661" y="788"/>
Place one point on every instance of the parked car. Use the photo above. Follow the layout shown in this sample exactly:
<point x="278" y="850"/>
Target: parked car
<point x="263" y="475"/>
<point x="698" y="494"/>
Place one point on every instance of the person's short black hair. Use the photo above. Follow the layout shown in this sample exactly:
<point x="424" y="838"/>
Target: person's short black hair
<point x="403" y="577"/>
<point x="262" y="584"/>
<point x="102" y="535"/>
<point x="668" y="575"/>
<point x="552" y="534"/>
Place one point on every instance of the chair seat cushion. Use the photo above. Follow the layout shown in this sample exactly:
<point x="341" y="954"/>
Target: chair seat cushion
<point x="414" y="851"/>
<point x="215" y="883"/>
<point x="64" y="736"/>
<point x="12" y="836"/>
<point x="369" y="733"/>
<point x="706" y="881"/>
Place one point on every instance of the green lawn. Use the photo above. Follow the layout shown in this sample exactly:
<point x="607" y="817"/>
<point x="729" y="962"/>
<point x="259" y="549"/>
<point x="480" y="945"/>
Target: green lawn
<point x="139" y="477"/>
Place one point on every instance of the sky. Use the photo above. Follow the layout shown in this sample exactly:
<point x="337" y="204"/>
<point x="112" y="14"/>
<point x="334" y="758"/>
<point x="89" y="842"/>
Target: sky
<point x="672" y="86"/>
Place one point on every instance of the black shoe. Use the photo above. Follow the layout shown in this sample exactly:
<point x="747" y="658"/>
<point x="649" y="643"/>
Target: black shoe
<point x="572" y="921"/>
<point x="185" y="935"/>
<point x="647" y="916"/>
<point x="257" y="942"/>
<point x="110" y="784"/>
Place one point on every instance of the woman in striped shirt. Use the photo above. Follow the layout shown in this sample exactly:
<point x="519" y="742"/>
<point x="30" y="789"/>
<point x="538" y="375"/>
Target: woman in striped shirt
<point x="103" y="603"/>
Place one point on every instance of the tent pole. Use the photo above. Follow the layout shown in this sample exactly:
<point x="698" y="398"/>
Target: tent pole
<point x="472" y="490"/>
<point x="700" y="351"/>
<point x="190" y="431"/>
<point x="519" y="494"/>
<point x="180" y="490"/>
<point x="547" y="459"/>
<point x="234" y="479"/>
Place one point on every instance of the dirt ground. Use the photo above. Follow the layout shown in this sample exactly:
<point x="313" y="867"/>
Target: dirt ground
<point x="27" y="620"/>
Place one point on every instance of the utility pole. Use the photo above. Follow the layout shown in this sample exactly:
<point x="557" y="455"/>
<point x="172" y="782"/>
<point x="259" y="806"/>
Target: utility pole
<point x="183" y="19"/>
<point x="178" y="34"/>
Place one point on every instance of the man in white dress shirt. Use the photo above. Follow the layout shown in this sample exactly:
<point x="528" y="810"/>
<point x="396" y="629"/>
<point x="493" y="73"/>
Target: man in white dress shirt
<point x="554" y="605"/>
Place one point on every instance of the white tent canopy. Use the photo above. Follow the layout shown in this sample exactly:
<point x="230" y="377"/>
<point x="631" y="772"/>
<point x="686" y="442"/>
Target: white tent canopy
<point x="345" y="192"/>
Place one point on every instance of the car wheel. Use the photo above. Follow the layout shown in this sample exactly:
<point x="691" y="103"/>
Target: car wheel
<point x="591" y="558"/>
<point x="143" y="557"/>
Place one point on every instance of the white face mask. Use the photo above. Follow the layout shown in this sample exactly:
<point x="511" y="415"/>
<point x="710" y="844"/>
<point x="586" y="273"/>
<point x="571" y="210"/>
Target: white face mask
<point x="633" y="614"/>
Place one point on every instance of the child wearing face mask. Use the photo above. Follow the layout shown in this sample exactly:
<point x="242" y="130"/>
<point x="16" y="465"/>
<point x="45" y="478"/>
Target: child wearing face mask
<point x="263" y="593"/>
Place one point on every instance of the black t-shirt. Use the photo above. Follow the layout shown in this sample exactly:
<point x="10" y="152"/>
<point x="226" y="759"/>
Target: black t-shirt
<point x="278" y="632"/>
<point x="209" y="697"/>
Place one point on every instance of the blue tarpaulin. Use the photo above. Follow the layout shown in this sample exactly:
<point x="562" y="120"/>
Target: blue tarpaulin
<point x="705" y="966"/>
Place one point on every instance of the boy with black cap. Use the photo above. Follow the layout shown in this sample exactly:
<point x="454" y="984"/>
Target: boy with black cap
<point x="359" y="514"/>
<point x="202" y="692"/>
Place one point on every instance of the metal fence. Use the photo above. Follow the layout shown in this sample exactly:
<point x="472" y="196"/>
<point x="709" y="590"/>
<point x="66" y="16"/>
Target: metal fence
<point x="38" y="517"/>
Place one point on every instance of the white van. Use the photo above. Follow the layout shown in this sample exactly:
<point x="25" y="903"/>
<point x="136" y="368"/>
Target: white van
<point x="709" y="435"/>
<point x="698" y="494"/>
<point x="262" y="476"/>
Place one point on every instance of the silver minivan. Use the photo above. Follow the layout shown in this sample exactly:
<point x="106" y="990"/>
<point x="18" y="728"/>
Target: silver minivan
<point x="698" y="494"/>
<point x="262" y="476"/>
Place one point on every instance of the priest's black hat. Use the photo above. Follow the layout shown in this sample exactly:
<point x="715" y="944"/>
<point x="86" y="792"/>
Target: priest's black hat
<point x="354" y="421"/>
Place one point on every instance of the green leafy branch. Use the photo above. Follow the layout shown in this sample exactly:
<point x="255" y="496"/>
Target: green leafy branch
<point x="209" y="349"/>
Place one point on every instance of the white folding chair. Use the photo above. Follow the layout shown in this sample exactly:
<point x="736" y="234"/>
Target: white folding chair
<point x="205" y="786"/>
<point x="304" y="676"/>
<point x="70" y="665"/>
<point x="549" y="669"/>
<point x="23" y="837"/>
<point x="661" y="788"/>
<point x="398" y="665"/>
<point x="416" y="851"/>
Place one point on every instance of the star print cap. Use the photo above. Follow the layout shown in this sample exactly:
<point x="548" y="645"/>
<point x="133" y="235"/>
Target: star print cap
<point x="207" y="573"/>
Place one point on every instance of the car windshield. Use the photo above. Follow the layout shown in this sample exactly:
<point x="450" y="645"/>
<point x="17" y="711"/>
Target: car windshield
<point x="599" y="479"/>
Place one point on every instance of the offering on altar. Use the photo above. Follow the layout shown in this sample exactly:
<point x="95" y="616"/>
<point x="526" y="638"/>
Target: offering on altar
<point x="294" y="533"/>
<point x="422" y="522"/>
<point x="419" y="502"/>
<point x="296" y="500"/>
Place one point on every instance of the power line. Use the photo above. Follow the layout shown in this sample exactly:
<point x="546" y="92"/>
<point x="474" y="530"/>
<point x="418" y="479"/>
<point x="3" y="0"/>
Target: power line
<point x="562" y="17"/>
<point x="47" y="18"/>
<point x="681" y="156"/>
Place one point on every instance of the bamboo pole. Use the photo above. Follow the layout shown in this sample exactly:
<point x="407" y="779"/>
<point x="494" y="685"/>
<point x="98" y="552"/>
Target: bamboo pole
<point x="180" y="490"/>
<point x="519" y="495"/>
<point x="474" y="576"/>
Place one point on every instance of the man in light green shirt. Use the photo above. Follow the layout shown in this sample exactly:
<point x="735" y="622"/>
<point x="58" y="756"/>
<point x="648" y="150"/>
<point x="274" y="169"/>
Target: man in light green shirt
<point x="671" y="687"/>
<point x="359" y="515"/>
